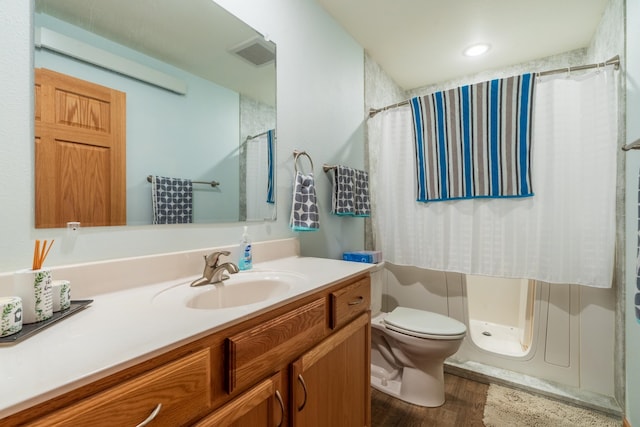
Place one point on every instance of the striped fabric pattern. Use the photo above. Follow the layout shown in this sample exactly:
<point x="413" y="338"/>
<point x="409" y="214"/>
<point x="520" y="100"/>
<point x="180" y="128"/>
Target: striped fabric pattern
<point x="474" y="141"/>
<point x="271" y="196"/>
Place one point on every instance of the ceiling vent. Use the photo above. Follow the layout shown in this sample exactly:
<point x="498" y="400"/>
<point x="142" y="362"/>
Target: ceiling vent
<point x="256" y="51"/>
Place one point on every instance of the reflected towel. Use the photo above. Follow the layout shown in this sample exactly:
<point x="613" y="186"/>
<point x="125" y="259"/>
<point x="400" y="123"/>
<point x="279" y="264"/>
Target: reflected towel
<point x="172" y="200"/>
<point x="304" y="208"/>
<point x="271" y="191"/>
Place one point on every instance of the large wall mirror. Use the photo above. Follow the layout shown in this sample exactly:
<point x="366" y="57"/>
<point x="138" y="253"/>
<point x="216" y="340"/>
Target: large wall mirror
<point x="200" y="108"/>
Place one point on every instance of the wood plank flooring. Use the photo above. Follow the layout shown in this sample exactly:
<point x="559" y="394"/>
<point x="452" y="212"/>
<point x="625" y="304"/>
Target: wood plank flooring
<point x="464" y="407"/>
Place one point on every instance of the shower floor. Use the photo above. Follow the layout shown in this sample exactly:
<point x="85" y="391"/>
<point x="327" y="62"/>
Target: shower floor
<point x="496" y="338"/>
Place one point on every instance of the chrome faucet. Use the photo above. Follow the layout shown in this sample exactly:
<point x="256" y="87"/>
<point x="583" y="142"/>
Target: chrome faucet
<point x="214" y="272"/>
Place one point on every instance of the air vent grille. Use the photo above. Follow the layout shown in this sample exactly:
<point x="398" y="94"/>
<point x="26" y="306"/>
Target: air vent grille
<point x="256" y="51"/>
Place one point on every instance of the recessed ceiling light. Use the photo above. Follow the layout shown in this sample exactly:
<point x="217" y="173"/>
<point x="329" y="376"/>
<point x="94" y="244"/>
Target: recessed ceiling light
<point x="476" y="49"/>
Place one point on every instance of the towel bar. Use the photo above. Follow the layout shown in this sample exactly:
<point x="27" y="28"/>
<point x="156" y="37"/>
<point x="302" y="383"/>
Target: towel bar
<point x="211" y="183"/>
<point x="635" y="145"/>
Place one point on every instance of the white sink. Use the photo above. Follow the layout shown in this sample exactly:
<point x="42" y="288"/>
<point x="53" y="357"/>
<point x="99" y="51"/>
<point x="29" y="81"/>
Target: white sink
<point x="241" y="289"/>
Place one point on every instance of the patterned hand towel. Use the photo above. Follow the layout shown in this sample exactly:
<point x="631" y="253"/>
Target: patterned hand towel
<point x="350" y="195"/>
<point x="304" y="209"/>
<point x="342" y="197"/>
<point x="362" y="201"/>
<point x="172" y="200"/>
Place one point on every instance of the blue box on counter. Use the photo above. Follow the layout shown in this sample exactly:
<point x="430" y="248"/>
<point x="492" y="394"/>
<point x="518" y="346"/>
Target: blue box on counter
<point x="371" y="257"/>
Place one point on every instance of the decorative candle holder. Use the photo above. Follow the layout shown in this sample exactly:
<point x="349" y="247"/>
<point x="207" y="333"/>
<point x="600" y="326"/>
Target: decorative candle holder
<point x="34" y="288"/>
<point x="61" y="290"/>
<point x="10" y="315"/>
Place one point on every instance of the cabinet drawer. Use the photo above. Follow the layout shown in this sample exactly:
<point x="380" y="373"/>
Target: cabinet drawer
<point x="180" y="390"/>
<point x="348" y="302"/>
<point x="254" y="353"/>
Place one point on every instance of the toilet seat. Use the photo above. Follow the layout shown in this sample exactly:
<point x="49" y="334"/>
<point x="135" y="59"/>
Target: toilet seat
<point x="424" y="324"/>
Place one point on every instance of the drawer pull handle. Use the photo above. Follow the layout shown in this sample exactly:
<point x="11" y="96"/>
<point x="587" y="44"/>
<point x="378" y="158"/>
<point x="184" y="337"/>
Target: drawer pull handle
<point x="357" y="301"/>
<point x="304" y="388"/>
<point x="279" y="397"/>
<point x="150" y="418"/>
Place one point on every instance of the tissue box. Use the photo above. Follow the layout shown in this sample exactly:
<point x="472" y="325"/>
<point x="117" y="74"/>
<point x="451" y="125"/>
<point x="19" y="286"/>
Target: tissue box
<point x="372" y="257"/>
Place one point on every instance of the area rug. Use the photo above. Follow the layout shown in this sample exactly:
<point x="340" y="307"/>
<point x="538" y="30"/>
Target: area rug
<point x="509" y="407"/>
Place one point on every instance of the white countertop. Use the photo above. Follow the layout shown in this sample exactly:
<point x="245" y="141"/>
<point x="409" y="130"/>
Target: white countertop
<point x="122" y="328"/>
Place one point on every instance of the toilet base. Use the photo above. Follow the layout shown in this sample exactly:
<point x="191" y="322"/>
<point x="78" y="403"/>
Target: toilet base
<point x="416" y="387"/>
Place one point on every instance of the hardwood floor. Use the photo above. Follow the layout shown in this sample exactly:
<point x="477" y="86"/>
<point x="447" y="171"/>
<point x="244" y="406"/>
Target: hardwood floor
<point x="464" y="406"/>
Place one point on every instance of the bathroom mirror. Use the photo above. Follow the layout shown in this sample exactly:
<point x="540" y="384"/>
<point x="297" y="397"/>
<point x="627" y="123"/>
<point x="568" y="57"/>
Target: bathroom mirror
<point x="200" y="95"/>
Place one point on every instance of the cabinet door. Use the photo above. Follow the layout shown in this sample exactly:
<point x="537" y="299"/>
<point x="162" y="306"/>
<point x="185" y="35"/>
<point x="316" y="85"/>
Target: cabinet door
<point x="330" y="382"/>
<point x="260" y="406"/>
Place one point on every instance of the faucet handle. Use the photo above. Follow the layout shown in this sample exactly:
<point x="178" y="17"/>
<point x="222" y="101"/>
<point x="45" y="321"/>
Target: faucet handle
<point x="211" y="260"/>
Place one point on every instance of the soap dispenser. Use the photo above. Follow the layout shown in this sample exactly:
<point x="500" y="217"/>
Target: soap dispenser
<point x="246" y="261"/>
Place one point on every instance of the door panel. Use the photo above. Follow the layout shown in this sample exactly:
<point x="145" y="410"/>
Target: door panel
<point x="80" y="148"/>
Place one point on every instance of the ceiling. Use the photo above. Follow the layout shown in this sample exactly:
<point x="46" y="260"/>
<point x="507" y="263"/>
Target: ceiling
<point x="421" y="42"/>
<point x="194" y="35"/>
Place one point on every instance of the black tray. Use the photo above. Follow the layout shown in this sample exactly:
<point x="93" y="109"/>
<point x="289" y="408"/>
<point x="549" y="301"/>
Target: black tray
<point x="34" y="328"/>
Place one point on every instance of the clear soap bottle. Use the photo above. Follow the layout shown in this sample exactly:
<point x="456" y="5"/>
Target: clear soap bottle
<point x="246" y="257"/>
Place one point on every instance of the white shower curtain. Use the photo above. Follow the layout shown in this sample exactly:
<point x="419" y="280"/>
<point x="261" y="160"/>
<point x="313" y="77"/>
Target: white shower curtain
<point x="565" y="233"/>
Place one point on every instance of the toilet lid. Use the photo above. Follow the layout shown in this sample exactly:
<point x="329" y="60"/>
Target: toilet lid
<point x="424" y="324"/>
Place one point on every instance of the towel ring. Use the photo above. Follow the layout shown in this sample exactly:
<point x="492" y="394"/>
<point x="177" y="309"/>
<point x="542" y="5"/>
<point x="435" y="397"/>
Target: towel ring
<point x="296" y="155"/>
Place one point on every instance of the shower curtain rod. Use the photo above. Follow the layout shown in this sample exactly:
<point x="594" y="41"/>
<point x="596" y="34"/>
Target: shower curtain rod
<point x="250" y="137"/>
<point x="615" y="61"/>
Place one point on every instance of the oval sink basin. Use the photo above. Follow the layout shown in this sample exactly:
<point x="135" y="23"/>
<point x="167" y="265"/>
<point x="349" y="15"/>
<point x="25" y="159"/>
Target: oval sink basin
<point x="244" y="288"/>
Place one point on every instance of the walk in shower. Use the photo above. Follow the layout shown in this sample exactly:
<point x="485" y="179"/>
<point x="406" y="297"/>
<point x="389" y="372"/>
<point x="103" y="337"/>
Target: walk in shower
<point x="500" y="314"/>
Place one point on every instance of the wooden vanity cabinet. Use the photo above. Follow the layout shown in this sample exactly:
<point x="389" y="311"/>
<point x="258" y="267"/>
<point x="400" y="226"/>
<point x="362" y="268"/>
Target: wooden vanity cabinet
<point x="306" y="363"/>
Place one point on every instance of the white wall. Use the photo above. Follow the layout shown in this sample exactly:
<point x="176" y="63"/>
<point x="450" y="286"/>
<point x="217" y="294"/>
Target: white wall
<point x="320" y="109"/>
<point x="632" y="341"/>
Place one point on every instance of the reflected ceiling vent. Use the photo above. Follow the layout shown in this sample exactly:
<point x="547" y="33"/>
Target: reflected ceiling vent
<point x="256" y="51"/>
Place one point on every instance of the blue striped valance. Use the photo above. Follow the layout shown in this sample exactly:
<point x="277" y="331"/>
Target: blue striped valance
<point x="474" y="141"/>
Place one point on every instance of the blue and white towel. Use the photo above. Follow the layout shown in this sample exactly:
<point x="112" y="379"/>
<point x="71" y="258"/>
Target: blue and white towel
<point x="304" y="208"/>
<point x="350" y="196"/>
<point x="475" y="141"/>
<point x="172" y="200"/>
<point x="271" y="190"/>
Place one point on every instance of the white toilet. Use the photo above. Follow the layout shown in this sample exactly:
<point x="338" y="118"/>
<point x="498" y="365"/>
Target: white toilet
<point x="408" y="350"/>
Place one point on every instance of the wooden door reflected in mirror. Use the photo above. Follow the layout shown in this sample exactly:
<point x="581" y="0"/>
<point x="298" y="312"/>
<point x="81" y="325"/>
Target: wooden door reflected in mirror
<point x="80" y="152"/>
